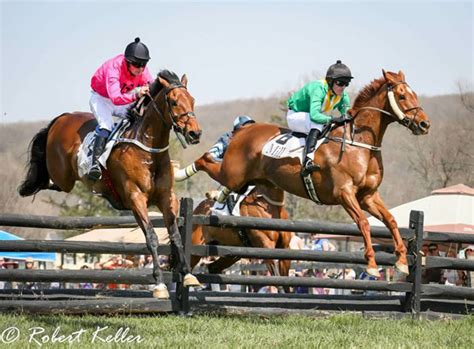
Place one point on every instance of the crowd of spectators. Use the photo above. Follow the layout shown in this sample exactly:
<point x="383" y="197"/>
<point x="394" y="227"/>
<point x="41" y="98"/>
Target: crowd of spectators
<point x="299" y="269"/>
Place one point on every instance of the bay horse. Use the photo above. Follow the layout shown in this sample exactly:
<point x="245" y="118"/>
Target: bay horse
<point x="265" y="201"/>
<point x="138" y="174"/>
<point x="349" y="178"/>
<point x="262" y="202"/>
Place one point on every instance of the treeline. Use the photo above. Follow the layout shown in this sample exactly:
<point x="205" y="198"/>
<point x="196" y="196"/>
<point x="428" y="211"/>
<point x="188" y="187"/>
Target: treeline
<point x="414" y="166"/>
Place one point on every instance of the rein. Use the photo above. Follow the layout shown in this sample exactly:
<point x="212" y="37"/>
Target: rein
<point x="399" y="115"/>
<point x="270" y="201"/>
<point x="177" y="130"/>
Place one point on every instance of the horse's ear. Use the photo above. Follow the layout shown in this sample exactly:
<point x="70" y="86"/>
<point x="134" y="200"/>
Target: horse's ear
<point x="163" y="82"/>
<point x="184" y="80"/>
<point x="388" y="76"/>
<point x="402" y="76"/>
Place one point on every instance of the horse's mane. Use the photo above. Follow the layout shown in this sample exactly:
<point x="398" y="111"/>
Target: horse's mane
<point x="169" y="76"/>
<point x="155" y="88"/>
<point x="368" y="92"/>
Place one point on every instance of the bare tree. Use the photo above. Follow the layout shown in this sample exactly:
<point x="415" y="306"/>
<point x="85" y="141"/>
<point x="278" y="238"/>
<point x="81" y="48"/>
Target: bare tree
<point x="446" y="157"/>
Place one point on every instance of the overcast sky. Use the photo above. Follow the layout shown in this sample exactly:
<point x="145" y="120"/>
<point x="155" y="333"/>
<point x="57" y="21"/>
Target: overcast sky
<point x="229" y="50"/>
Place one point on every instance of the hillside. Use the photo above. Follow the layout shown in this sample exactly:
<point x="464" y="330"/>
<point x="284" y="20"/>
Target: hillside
<point x="401" y="151"/>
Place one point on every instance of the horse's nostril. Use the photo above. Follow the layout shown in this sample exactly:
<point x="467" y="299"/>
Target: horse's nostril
<point x="194" y="134"/>
<point x="424" y="125"/>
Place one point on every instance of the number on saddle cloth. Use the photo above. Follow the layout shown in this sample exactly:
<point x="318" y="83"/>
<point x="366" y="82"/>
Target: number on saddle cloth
<point x="291" y="145"/>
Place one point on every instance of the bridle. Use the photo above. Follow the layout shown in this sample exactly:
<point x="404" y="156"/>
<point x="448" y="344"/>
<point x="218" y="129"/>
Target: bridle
<point x="179" y="131"/>
<point x="398" y="114"/>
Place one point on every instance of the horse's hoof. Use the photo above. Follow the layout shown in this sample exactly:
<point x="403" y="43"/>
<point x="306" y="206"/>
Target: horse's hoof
<point x="403" y="268"/>
<point x="161" y="291"/>
<point x="373" y="272"/>
<point x="190" y="280"/>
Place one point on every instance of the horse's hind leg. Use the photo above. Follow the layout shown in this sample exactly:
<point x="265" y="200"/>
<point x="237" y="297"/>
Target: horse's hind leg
<point x="376" y="207"/>
<point x="205" y="163"/>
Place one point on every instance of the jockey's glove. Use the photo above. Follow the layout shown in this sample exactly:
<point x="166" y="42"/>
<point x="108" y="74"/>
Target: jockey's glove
<point x="340" y="120"/>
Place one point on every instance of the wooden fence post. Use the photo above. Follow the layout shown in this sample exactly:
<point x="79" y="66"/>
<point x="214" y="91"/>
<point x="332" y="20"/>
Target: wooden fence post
<point x="186" y="230"/>
<point x="413" y="299"/>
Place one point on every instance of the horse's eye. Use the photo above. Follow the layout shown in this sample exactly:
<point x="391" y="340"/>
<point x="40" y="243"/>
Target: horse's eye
<point x="174" y="103"/>
<point x="401" y="97"/>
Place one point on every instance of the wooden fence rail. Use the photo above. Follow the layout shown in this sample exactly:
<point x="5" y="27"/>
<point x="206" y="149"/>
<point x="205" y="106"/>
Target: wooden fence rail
<point x="412" y="287"/>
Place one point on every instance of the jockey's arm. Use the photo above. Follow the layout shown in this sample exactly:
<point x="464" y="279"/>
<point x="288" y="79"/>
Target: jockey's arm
<point x="113" y="90"/>
<point x="345" y="104"/>
<point x="315" y="114"/>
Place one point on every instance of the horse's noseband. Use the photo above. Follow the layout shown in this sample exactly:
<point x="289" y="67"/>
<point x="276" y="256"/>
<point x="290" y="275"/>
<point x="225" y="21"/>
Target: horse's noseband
<point x="401" y="115"/>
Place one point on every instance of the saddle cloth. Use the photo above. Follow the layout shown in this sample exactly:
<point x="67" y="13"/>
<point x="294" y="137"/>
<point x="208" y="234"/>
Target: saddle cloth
<point x="84" y="153"/>
<point x="223" y="209"/>
<point x="288" y="145"/>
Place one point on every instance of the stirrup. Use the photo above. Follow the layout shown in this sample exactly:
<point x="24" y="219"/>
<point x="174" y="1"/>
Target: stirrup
<point x="95" y="173"/>
<point x="309" y="167"/>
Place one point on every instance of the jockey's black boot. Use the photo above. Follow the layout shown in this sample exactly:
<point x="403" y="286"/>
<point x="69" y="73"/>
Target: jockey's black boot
<point x="99" y="145"/>
<point x="308" y="165"/>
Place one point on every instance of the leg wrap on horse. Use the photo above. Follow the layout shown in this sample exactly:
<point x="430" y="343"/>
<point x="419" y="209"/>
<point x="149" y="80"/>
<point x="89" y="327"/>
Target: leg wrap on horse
<point x="178" y="250"/>
<point x="224" y="193"/>
<point x="152" y="244"/>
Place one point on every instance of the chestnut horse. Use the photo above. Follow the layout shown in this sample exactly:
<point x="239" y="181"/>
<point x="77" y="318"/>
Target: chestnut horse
<point x="349" y="178"/>
<point x="265" y="201"/>
<point x="138" y="174"/>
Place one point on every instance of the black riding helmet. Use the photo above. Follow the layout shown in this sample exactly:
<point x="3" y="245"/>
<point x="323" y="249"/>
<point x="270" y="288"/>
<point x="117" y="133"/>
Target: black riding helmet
<point x="338" y="71"/>
<point x="137" y="52"/>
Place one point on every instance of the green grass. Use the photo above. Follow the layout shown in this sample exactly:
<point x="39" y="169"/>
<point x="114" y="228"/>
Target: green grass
<point x="238" y="331"/>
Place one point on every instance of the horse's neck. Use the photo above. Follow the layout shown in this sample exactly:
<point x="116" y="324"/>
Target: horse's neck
<point x="371" y="124"/>
<point x="152" y="130"/>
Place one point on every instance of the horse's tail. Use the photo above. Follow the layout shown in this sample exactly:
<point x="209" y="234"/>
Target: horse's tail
<point x="185" y="173"/>
<point x="37" y="177"/>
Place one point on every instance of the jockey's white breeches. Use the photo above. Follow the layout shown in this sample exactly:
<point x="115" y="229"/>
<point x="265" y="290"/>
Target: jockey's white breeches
<point x="104" y="110"/>
<point x="301" y="122"/>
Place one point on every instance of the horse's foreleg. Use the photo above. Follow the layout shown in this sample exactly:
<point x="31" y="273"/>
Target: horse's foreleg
<point x="376" y="207"/>
<point x="139" y="208"/>
<point x="351" y="205"/>
<point x="168" y="205"/>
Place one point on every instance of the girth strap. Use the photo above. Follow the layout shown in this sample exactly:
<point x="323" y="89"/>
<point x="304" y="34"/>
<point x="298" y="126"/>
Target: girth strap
<point x="310" y="190"/>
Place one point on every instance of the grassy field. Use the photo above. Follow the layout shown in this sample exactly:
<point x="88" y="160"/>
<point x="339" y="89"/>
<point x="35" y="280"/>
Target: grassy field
<point x="232" y="331"/>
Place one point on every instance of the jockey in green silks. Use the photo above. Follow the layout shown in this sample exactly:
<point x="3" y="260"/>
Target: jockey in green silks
<point x="306" y="107"/>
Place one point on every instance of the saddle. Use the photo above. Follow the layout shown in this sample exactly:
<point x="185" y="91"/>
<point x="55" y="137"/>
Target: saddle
<point x="291" y="145"/>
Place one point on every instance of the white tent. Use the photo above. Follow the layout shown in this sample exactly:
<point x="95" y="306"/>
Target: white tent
<point x="449" y="209"/>
<point x="126" y="235"/>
